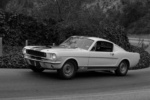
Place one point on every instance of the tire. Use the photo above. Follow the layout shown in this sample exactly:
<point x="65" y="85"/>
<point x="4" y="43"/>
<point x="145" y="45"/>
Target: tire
<point x="36" y="68"/>
<point x="122" y="69"/>
<point x="68" y="70"/>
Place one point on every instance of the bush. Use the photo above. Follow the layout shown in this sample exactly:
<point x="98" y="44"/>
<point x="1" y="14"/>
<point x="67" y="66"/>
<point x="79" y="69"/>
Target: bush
<point x="104" y="29"/>
<point x="12" y="57"/>
<point x="19" y="28"/>
<point x="144" y="55"/>
<point x="2" y="23"/>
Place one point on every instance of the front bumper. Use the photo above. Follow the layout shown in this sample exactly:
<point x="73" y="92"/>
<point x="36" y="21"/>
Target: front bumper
<point x="43" y="63"/>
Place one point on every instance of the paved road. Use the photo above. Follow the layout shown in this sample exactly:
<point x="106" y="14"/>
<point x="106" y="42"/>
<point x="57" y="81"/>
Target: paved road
<point x="23" y="84"/>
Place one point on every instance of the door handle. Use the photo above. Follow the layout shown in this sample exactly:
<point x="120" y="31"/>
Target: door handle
<point x="112" y="54"/>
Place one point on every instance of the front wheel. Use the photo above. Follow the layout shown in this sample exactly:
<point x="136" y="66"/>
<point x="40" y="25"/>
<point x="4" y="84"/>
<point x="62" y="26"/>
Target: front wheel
<point x="36" y="68"/>
<point x="122" y="69"/>
<point x="68" y="70"/>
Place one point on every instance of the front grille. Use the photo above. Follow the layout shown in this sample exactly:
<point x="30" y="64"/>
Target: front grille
<point x="37" y="58"/>
<point x="36" y="53"/>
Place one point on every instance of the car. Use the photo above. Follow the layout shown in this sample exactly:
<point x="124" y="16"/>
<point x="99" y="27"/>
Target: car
<point x="80" y="53"/>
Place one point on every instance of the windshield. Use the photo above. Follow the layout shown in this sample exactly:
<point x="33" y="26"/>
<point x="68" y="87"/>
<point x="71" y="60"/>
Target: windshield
<point x="78" y="42"/>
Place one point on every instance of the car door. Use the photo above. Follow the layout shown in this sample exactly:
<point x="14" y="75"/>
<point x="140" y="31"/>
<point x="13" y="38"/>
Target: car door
<point x="102" y="55"/>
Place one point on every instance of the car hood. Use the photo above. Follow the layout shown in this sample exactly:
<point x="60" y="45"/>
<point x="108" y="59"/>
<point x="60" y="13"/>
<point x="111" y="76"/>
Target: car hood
<point x="53" y="49"/>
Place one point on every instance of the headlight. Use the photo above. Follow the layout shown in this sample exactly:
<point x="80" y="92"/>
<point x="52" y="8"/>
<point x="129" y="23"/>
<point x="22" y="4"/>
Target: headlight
<point x="51" y="56"/>
<point x="24" y="51"/>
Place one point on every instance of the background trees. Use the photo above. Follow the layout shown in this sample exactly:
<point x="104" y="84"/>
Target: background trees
<point x="44" y="22"/>
<point x="29" y="19"/>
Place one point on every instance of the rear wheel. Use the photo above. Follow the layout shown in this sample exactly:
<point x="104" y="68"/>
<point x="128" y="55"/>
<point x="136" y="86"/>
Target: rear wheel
<point x="68" y="70"/>
<point x="36" y="68"/>
<point x="122" y="69"/>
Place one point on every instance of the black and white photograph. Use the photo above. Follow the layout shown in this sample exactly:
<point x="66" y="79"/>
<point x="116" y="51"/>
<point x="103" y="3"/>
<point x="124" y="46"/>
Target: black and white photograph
<point x="74" y="49"/>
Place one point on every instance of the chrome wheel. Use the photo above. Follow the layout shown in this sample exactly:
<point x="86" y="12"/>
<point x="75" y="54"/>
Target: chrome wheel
<point x="68" y="70"/>
<point x="122" y="68"/>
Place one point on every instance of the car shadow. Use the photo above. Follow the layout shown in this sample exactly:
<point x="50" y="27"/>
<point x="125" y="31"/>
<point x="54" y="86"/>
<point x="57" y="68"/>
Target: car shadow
<point x="90" y="74"/>
<point x="48" y="74"/>
<point x="101" y="74"/>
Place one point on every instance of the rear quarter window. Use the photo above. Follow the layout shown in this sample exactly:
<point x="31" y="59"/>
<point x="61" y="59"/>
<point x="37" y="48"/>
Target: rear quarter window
<point x="103" y="46"/>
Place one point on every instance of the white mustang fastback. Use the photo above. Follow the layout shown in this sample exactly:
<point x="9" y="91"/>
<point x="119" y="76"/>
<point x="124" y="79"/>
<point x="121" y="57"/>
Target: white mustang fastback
<point x="80" y="52"/>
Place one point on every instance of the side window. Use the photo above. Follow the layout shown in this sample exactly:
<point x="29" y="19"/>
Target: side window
<point x="104" y="46"/>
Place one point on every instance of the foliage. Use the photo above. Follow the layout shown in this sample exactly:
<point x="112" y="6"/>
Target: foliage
<point x="17" y="27"/>
<point x="116" y="34"/>
<point x="141" y="26"/>
<point x="125" y="12"/>
<point x="99" y="28"/>
<point x="12" y="57"/>
<point x="132" y="12"/>
<point x="144" y="55"/>
<point x="3" y="3"/>
<point x="22" y="28"/>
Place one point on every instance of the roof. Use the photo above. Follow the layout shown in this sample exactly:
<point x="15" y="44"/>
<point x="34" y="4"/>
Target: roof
<point x="94" y="38"/>
<point x="97" y="38"/>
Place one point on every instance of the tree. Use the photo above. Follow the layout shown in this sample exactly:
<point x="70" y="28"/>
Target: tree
<point x="3" y="3"/>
